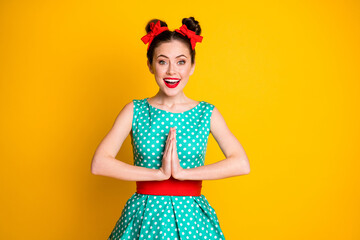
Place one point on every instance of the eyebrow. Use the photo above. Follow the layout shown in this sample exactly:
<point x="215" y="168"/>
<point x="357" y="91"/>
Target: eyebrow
<point x="167" y="57"/>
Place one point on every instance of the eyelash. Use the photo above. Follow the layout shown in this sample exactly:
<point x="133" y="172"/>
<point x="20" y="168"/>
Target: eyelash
<point x="164" y="61"/>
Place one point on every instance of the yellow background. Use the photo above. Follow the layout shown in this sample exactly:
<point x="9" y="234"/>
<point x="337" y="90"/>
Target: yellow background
<point x="284" y="74"/>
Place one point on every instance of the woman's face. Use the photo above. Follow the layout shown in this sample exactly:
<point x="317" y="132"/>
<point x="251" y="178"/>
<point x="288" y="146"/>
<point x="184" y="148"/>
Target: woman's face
<point x="172" y="66"/>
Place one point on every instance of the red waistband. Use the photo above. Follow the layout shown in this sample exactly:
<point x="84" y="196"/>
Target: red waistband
<point x="170" y="186"/>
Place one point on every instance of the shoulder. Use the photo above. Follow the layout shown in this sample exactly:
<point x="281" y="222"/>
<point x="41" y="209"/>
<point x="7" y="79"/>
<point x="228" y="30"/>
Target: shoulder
<point x="138" y="103"/>
<point x="207" y="104"/>
<point x="128" y="107"/>
<point x="132" y="107"/>
<point x="217" y="121"/>
<point x="126" y="112"/>
<point x="208" y="107"/>
<point x="123" y="121"/>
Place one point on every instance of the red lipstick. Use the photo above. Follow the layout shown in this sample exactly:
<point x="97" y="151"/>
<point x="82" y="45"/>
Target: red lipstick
<point x="171" y="82"/>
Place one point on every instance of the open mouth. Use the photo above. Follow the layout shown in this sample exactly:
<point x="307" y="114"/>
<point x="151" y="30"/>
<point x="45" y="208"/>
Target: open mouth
<point x="171" y="82"/>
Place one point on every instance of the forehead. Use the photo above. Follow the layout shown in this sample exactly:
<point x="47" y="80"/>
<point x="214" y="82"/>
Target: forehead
<point x="172" y="49"/>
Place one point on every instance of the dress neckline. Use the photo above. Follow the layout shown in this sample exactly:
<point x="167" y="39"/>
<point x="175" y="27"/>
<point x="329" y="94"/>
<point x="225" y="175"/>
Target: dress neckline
<point x="146" y="99"/>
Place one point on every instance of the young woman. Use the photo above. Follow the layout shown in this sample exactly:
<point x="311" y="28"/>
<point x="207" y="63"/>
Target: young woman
<point x="169" y="134"/>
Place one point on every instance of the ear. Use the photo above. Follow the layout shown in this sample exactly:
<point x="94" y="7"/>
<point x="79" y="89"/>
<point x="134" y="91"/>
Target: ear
<point x="150" y="67"/>
<point x="192" y="68"/>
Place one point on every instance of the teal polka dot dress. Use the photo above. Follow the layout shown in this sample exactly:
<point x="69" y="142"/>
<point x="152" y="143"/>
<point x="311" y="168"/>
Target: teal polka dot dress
<point x="160" y="216"/>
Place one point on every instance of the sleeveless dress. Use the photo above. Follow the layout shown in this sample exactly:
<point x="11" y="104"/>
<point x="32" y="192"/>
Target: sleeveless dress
<point x="161" y="216"/>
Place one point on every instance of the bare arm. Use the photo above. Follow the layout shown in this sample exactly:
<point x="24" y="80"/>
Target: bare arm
<point x="104" y="162"/>
<point x="236" y="162"/>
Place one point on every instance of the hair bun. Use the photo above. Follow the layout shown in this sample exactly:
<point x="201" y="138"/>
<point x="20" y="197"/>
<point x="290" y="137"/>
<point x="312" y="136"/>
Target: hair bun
<point x="192" y="25"/>
<point x="162" y="24"/>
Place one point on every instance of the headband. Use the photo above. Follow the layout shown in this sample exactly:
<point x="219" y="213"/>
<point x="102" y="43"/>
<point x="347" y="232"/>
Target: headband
<point x="156" y="29"/>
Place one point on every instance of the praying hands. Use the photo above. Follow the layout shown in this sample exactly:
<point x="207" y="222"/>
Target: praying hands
<point x="170" y="161"/>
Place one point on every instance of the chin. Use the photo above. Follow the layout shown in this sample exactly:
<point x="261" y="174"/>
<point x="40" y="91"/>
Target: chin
<point x="171" y="92"/>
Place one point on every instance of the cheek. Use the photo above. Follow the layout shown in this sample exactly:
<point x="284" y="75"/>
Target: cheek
<point x="186" y="71"/>
<point x="160" y="70"/>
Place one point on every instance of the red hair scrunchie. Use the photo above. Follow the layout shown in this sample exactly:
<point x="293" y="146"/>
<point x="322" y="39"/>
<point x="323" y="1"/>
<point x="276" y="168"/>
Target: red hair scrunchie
<point x="156" y="29"/>
<point x="190" y="34"/>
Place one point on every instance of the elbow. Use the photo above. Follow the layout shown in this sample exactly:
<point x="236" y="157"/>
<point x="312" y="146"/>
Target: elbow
<point x="100" y="164"/>
<point x="244" y="167"/>
<point x="246" y="170"/>
<point x="94" y="170"/>
<point x="94" y="167"/>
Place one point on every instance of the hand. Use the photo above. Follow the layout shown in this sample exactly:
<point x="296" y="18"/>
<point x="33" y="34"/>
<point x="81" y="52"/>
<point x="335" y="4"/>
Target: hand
<point x="176" y="169"/>
<point x="165" y="168"/>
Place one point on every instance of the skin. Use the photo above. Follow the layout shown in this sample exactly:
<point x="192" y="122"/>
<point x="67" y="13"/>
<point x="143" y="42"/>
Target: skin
<point x="172" y="59"/>
<point x="167" y="63"/>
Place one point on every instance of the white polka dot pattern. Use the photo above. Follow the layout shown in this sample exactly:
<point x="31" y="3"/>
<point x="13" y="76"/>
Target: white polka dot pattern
<point x="160" y="216"/>
<point x="150" y="127"/>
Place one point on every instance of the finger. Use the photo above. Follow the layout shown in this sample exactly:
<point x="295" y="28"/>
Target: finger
<point x="174" y="148"/>
<point x="169" y="136"/>
<point x="174" y="159"/>
<point x="167" y="145"/>
<point x="170" y="143"/>
<point x="174" y="143"/>
<point x="170" y="149"/>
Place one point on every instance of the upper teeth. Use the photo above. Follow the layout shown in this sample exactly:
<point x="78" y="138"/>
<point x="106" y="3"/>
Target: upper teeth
<point x="172" y="80"/>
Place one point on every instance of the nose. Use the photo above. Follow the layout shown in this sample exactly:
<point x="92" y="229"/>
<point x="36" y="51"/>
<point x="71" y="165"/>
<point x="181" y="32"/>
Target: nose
<point x="170" y="69"/>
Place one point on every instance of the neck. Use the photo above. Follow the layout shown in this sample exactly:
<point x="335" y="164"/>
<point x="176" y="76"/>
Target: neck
<point x="163" y="99"/>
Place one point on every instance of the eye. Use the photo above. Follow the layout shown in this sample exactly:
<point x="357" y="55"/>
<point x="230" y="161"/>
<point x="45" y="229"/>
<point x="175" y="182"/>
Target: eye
<point x="161" y="62"/>
<point x="182" y="62"/>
